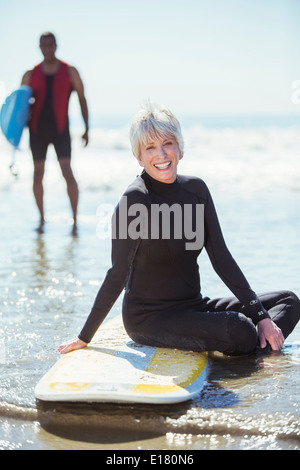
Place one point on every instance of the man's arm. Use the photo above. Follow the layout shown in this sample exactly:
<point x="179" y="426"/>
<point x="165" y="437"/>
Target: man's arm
<point x="26" y="78"/>
<point x="79" y="88"/>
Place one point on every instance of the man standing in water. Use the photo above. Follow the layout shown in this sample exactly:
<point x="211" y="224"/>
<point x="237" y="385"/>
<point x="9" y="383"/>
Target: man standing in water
<point x="52" y="82"/>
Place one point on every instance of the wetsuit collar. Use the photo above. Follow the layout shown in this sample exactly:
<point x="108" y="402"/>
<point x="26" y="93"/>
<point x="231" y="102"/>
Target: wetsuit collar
<point x="158" y="186"/>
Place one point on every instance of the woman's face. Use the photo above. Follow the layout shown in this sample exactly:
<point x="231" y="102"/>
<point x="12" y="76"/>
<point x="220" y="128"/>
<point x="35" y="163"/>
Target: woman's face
<point x="160" y="158"/>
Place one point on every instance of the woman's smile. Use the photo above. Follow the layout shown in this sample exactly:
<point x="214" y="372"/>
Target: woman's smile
<point x="162" y="166"/>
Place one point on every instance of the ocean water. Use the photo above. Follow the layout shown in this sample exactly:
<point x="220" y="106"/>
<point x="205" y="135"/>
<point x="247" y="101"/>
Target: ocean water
<point x="49" y="282"/>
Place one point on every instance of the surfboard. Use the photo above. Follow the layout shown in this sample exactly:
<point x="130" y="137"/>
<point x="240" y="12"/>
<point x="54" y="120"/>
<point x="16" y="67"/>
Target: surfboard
<point x="14" y="114"/>
<point x="113" y="368"/>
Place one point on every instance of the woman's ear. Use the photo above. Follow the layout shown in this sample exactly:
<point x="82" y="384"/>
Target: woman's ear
<point x="139" y="160"/>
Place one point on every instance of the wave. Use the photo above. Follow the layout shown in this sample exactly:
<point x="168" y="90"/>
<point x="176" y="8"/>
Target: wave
<point x="14" y="411"/>
<point x="231" y="159"/>
<point x="111" y="423"/>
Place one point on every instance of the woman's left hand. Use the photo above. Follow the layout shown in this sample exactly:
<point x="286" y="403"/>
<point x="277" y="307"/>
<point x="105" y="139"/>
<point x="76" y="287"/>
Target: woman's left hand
<point x="269" y="332"/>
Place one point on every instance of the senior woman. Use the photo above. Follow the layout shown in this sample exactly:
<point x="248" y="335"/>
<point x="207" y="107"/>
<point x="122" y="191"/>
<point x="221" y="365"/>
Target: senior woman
<point x="154" y="259"/>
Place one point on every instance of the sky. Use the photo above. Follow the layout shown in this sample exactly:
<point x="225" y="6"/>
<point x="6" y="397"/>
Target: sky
<point x="198" y="57"/>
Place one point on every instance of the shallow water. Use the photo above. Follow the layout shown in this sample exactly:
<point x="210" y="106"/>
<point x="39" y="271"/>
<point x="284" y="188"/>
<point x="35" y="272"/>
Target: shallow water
<point x="49" y="281"/>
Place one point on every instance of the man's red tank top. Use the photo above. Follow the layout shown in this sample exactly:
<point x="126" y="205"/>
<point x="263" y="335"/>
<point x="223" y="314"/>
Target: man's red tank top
<point x="62" y="87"/>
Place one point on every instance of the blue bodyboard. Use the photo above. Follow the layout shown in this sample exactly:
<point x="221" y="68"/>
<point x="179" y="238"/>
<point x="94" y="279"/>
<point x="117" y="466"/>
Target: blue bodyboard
<point x="14" y="114"/>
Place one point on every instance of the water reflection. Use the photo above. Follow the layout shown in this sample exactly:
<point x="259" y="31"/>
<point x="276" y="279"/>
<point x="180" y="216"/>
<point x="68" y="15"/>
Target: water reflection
<point x="40" y="263"/>
<point x="53" y="255"/>
<point x="108" y="422"/>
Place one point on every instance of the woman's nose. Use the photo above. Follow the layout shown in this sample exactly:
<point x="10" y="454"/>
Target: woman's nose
<point x="161" y="152"/>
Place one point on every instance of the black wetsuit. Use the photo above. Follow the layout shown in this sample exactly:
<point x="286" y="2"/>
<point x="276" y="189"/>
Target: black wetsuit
<point x="163" y="305"/>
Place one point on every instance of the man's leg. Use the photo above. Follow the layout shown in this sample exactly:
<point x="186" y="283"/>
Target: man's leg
<point x="72" y="187"/>
<point x="38" y="190"/>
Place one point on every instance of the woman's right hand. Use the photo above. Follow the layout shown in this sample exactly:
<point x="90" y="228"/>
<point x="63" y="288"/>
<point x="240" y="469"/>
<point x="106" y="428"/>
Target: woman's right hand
<point x="269" y="331"/>
<point x="71" y="345"/>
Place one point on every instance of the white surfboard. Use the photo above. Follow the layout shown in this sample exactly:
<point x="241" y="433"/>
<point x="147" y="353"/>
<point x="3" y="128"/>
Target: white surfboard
<point x="113" y="368"/>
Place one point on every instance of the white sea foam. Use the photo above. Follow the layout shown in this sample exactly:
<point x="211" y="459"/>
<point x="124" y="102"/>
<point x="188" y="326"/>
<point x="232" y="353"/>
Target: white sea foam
<point x="228" y="159"/>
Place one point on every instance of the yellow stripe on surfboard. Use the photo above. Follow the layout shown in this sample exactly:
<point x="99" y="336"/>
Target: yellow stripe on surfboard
<point x="170" y="374"/>
<point x="67" y="386"/>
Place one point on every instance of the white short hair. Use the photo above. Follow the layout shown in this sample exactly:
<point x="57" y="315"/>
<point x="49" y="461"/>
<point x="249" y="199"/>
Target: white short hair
<point x="151" y="122"/>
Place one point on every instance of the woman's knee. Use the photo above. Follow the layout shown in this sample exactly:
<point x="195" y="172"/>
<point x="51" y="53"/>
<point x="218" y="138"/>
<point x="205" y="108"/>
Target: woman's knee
<point x="242" y="333"/>
<point x="293" y="298"/>
<point x="292" y="311"/>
